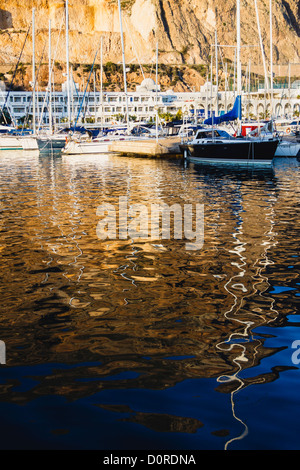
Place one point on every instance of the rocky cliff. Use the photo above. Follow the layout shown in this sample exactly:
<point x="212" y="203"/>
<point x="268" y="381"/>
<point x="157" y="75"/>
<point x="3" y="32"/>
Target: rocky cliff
<point x="184" y="30"/>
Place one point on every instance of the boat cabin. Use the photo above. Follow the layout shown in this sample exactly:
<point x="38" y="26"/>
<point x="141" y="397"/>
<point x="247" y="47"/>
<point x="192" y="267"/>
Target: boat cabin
<point x="212" y="134"/>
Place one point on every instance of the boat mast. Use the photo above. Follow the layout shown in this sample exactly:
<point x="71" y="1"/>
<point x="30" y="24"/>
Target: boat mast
<point x="124" y="65"/>
<point x="156" y="98"/>
<point x="94" y="97"/>
<point x="101" y="82"/>
<point x="67" y="63"/>
<point x="217" y="74"/>
<point x="206" y="94"/>
<point x="50" y="81"/>
<point x="226" y="86"/>
<point x="289" y="81"/>
<point x="238" y="58"/>
<point x="249" y="87"/>
<point x="262" y="47"/>
<point x="234" y="74"/>
<point x="72" y="97"/>
<point x="211" y="93"/>
<point x="271" y="61"/>
<point x="33" y="71"/>
<point x="211" y="81"/>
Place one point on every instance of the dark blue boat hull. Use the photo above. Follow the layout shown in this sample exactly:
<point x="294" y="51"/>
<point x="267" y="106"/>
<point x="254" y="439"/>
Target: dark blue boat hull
<point x="231" y="151"/>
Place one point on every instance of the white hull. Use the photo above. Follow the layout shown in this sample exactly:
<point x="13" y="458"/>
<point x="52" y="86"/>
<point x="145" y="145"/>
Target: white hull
<point x="101" y="145"/>
<point x="83" y="148"/>
<point x="18" y="143"/>
<point x="288" y="149"/>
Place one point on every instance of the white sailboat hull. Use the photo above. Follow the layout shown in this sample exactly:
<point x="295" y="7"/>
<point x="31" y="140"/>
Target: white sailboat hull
<point x="100" y="145"/>
<point x="288" y="149"/>
<point x="18" y="143"/>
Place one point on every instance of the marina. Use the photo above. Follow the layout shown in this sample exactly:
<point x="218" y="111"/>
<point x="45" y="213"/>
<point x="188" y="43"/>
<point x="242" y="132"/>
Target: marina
<point x="149" y="239"/>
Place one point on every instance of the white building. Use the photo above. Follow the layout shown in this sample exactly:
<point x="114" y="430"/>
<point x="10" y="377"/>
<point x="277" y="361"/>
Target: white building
<point x="148" y="85"/>
<point x="142" y="104"/>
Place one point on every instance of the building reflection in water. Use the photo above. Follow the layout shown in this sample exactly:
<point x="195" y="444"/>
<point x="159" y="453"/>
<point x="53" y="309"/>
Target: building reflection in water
<point x="138" y="314"/>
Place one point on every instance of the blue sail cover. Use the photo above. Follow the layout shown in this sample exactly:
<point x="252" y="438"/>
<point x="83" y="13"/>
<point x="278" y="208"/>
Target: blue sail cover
<point x="235" y="113"/>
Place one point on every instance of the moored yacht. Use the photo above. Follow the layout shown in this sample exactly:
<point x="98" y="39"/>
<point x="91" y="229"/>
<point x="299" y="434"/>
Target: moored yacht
<point x="79" y="146"/>
<point x="85" y="144"/>
<point x="55" y="141"/>
<point x="288" y="148"/>
<point x="217" y="145"/>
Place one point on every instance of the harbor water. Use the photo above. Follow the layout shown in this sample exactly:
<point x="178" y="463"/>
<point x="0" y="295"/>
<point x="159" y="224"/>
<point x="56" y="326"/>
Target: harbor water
<point x="141" y="343"/>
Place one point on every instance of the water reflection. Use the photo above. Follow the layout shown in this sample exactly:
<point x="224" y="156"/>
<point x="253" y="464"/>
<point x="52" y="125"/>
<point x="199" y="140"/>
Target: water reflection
<point x="243" y="293"/>
<point x="140" y="314"/>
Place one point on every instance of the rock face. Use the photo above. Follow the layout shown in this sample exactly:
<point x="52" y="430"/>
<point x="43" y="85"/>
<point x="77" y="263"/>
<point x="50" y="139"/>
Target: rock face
<point x="184" y="29"/>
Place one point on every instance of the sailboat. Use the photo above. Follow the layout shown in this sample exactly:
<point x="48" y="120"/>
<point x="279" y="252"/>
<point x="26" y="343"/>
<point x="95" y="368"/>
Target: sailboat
<point x="216" y="145"/>
<point x="101" y="143"/>
<point x="50" y="140"/>
<point x="286" y="147"/>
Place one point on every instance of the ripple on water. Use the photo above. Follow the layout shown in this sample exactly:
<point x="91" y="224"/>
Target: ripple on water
<point x="146" y="328"/>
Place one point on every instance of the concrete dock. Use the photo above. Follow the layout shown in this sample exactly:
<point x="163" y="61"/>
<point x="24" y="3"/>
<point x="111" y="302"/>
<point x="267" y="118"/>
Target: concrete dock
<point x="162" y="147"/>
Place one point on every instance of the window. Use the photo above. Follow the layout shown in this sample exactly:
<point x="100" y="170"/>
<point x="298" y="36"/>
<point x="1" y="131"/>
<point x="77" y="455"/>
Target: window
<point x="19" y="110"/>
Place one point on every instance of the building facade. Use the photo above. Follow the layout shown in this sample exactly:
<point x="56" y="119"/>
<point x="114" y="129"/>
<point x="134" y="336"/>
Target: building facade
<point x="144" y="103"/>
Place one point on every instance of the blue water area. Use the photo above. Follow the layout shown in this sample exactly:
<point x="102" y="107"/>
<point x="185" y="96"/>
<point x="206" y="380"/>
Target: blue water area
<point x="279" y="289"/>
<point x="89" y="424"/>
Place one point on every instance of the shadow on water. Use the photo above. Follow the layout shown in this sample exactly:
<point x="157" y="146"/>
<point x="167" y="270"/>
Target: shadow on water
<point x="142" y="336"/>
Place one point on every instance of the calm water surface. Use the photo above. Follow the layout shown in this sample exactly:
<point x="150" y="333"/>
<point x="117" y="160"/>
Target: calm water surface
<point x="141" y="344"/>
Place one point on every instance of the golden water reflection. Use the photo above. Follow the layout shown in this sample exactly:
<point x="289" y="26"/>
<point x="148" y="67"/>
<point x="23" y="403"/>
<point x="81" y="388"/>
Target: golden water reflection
<point x="142" y="306"/>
